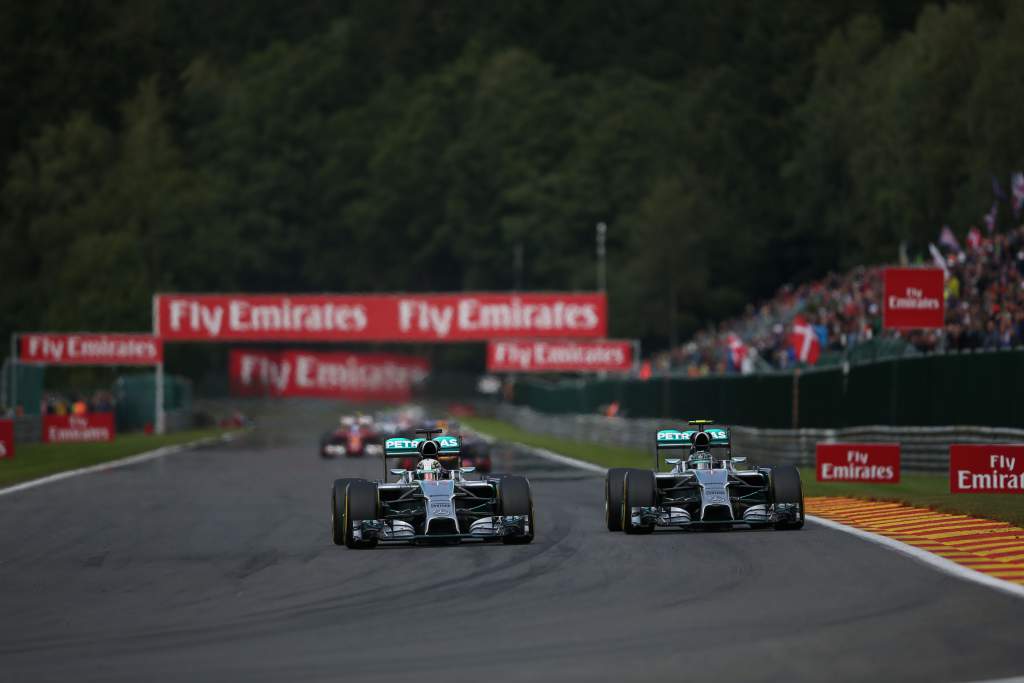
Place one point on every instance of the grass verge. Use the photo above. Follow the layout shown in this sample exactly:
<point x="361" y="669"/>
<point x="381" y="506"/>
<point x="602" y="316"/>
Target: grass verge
<point x="34" y="460"/>
<point x="920" y="490"/>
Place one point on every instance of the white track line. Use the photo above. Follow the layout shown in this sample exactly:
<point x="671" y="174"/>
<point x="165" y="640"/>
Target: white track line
<point x="123" y="462"/>
<point x="931" y="559"/>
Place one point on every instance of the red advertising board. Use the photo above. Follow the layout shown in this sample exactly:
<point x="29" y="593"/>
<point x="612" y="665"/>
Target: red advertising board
<point x="987" y="468"/>
<point x="318" y="374"/>
<point x="914" y="298"/>
<point x="392" y="317"/>
<point x="867" y="462"/>
<point x="90" y="349"/>
<point x="6" y="438"/>
<point x="77" y="428"/>
<point x="549" y="355"/>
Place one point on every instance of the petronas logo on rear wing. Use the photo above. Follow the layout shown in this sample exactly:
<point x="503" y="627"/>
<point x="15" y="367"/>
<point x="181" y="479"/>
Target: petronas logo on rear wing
<point x="677" y="438"/>
<point x="399" y="447"/>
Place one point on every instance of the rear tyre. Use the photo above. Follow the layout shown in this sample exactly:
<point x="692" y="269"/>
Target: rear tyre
<point x="638" y="490"/>
<point x="360" y="504"/>
<point x="613" y="482"/>
<point x="786" y="490"/>
<point x="515" y="498"/>
<point x="338" y="492"/>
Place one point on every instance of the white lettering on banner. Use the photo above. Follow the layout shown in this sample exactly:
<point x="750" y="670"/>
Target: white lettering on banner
<point x="262" y="371"/>
<point x="424" y="317"/>
<point x="990" y="480"/>
<point x="1001" y="476"/>
<point x="870" y="472"/>
<point x="313" y="374"/>
<point x="541" y="354"/>
<point x="914" y="300"/>
<point x="78" y="429"/>
<point x="3" y="449"/>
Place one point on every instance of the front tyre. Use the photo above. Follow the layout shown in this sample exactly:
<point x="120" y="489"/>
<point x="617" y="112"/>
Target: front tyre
<point x="638" y="490"/>
<point x="787" y="490"/>
<point x="338" y="492"/>
<point x="361" y="503"/>
<point x="613" y="482"/>
<point x="516" y="498"/>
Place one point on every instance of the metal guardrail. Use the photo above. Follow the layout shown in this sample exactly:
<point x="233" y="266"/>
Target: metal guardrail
<point x="923" y="449"/>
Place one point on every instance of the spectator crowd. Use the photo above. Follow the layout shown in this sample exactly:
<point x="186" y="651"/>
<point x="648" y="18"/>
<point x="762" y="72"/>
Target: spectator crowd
<point x="984" y="294"/>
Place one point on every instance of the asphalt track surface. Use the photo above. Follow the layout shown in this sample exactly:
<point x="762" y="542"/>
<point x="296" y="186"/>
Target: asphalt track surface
<point x="217" y="565"/>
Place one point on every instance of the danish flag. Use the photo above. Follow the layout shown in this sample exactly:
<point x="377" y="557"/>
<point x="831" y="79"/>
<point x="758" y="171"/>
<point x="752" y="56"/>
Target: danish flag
<point x="804" y="341"/>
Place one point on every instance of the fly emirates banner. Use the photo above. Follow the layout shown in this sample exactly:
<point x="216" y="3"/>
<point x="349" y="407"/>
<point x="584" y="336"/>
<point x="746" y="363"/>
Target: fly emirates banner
<point x="387" y="317"/>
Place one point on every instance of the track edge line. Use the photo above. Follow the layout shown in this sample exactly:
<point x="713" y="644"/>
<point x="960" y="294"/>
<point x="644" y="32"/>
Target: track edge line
<point x="122" y="462"/>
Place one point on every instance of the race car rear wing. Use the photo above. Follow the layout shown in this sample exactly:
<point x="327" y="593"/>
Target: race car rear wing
<point x="444" y="448"/>
<point x="667" y="439"/>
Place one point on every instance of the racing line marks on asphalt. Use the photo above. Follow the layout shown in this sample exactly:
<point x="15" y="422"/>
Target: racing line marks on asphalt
<point x="123" y="462"/>
<point x="983" y="551"/>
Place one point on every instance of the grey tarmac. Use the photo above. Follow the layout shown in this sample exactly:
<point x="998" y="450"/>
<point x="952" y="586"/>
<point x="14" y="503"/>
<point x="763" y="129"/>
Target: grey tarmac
<point x="217" y="565"/>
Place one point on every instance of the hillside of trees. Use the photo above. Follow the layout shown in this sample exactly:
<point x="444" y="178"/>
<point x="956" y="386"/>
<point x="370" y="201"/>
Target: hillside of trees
<point x="307" y="145"/>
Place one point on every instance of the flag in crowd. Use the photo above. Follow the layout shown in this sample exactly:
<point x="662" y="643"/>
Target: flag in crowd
<point x="737" y="350"/>
<point x="939" y="259"/>
<point x="947" y="238"/>
<point x="1017" y="189"/>
<point x="974" y="238"/>
<point x="804" y="341"/>
<point x="990" y="218"/>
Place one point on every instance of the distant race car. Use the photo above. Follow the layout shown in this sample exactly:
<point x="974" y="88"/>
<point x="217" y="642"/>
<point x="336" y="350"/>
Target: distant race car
<point x="701" y="490"/>
<point x="430" y="503"/>
<point x="355" y="437"/>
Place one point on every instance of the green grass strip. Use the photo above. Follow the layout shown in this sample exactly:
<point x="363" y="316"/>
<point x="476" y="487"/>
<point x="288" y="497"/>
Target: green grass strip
<point x="918" y="489"/>
<point x="35" y="460"/>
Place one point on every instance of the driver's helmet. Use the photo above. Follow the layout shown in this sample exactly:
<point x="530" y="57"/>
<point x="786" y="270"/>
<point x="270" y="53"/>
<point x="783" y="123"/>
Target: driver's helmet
<point x="700" y="452"/>
<point x="428" y="469"/>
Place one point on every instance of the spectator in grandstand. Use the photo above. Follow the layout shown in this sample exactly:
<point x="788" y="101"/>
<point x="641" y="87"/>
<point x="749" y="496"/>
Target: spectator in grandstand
<point x="984" y="310"/>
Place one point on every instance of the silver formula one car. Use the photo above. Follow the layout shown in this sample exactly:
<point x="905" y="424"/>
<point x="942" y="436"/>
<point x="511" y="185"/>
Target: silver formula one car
<point x="701" y="490"/>
<point x="433" y="502"/>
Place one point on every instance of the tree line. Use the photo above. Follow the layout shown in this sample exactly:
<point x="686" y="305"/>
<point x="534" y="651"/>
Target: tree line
<point x="420" y="145"/>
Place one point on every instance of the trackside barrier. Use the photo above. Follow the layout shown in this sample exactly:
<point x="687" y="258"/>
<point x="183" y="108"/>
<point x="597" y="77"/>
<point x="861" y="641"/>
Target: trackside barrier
<point x="924" y="449"/>
<point x="975" y="388"/>
<point x="29" y="429"/>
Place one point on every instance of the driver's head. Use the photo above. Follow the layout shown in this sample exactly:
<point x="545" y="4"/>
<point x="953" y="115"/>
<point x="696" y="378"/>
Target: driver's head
<point x="701" y="442"/>
<point x="428" y="469"/>
<point x="700" y="451"/>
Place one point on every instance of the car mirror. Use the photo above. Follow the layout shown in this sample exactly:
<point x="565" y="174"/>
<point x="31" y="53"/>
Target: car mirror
<point x="467" y="470"/>
<point x="399" y="471"/>
<point x="672" y="461"/>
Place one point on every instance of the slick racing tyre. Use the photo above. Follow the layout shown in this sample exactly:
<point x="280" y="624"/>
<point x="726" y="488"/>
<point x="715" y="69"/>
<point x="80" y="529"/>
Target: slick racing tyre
<point x="338" y="492"/>
<point x="515" y="498"/>
<point x="613" y="482"/>
<point x="360" y="504"/>
<point x="638" y="490"/>
<point x="786" y="490"/>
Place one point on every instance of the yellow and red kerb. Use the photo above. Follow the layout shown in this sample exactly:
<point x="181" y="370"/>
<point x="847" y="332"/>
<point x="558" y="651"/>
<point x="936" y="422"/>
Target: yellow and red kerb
<point x="990" y="547"/>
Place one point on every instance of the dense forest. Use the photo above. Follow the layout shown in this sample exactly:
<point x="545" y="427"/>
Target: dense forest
<point x="417" y="145"/>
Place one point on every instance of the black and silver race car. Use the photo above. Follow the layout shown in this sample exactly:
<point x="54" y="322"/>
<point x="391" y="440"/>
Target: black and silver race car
<point x="702" y="490"/>
<point x="430" y="503"/>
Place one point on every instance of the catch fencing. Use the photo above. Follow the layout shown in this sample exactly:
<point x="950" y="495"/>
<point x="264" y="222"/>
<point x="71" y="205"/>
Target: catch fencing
<point x="924" y="449"/>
